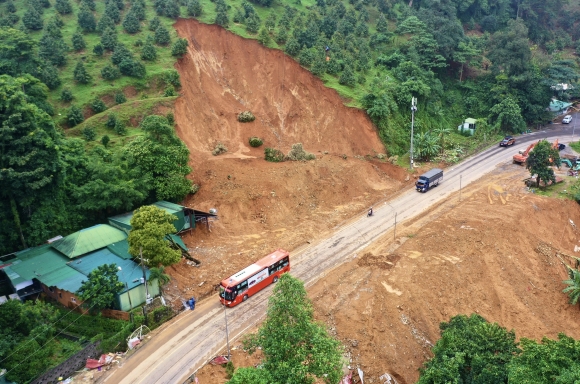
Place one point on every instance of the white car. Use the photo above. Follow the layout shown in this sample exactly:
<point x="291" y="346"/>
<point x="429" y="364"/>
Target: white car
<point x="567" y="119"/>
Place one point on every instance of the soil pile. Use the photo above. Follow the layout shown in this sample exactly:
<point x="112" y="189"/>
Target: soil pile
<point x="263" y="206"/>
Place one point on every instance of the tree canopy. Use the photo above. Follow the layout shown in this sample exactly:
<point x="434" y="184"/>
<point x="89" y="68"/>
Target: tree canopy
<point x="100" y="290"/>
<point x="539" y="162"/>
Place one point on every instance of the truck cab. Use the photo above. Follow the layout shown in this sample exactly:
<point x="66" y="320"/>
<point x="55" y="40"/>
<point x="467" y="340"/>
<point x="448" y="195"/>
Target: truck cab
<point x="429" y="179"/>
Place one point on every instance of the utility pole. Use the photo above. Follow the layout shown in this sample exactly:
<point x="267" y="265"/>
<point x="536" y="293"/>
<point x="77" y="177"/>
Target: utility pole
<point x="144" y="275"/>
<point x="413" y="109"/>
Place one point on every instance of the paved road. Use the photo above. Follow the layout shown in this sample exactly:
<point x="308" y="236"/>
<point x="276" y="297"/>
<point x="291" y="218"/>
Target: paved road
<point x="193" y="338"/>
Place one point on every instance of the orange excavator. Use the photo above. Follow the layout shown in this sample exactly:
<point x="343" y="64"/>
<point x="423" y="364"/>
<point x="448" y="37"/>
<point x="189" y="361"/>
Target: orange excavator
<point x="520" y="158"/>
<point x="555" y="144"/>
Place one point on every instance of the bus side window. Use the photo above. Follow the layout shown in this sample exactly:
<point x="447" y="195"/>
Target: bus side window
<point x="242" y="287"/>
<point x="284" y="261"/>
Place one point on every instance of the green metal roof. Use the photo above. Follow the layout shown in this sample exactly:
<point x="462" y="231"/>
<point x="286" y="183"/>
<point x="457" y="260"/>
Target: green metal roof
<point x="169" y="207"/>
<point x="121" y="249"/>
<point x="65" y="278"/>
<point x="88" y="240"/>
<point x="123" y="221"/>
<point x="178" y="241"/>
<point x="129" y="274"/>
<point x="39" y="263"/>
<point x="558" y="105"/>
<point x="14" y="277"/>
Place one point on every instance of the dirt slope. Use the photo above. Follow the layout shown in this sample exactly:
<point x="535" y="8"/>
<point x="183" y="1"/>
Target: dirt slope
<point x="263" y="206"/>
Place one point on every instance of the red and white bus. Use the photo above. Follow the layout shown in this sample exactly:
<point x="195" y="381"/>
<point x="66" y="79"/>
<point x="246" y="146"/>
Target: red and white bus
<point x="252" y="279"/>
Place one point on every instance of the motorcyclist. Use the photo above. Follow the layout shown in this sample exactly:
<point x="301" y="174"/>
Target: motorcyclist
<point x="370" y="212"/>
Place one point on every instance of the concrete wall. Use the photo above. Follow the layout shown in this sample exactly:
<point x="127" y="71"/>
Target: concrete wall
<point x="70" y="366"/>
<point x="66" y="298"/>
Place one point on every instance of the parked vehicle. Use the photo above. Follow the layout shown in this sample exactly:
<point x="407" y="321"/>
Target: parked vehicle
<point x="520" y="158"/>
<point x="507" y="141"/>
<point x="250" y="280"/>
<point x="567" y="119"/>
<point x="429" y="179"/>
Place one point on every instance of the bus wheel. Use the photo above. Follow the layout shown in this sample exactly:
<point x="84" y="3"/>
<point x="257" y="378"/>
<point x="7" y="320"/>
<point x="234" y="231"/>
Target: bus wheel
<point x="275" y="279"/>
<point x="245" y="298"/>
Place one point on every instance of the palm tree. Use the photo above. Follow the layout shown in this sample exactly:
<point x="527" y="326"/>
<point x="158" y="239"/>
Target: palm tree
<point x="573" y="288"/>
<point x="426" y="145"/>
<point x="160" y="275"/>
<point x="441" y="132"/>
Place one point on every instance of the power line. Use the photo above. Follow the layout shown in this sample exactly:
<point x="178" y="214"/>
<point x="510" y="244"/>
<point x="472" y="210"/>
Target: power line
<point x="35" y="352"/>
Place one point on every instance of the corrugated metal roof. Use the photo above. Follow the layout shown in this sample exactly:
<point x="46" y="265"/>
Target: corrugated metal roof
<point x="178" y="241"/>
<point x="41" y="263"/>
<point x="130" y="271"/>
<point x="169" y="207"/>
<point x="88" y="240"/>
<point x="65" y="278"/>
<point x="14" y="277"/>
<point x="121" y="249"/>
<point x="123" y="221"/>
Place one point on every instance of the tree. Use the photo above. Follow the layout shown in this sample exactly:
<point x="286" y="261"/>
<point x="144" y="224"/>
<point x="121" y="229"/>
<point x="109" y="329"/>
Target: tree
<point x="78" y="42"/>
<point x="131" y="23"/>
<point x="508" y="115"/>
<point x="98" y="49"/>
<point x="104" y="23"/>
<point x="296" y="348"/>
<point x="171" y="9"/>
<point x="80" y="73"/>
<point x="30" y="160"/>
<point x="162" y="36"/>
<point x="347" y="77"/>
<point x="63" y="7"/>
<point x="120" y="98"/>
<point x="149" y="227"/>
<point x="109" y="39"/>
<point x="539" y="162"/>
<point x="179" y="47"/>
<point x="138" y="8"/>
<point x="101" y="288"/>
<point x="112" y="10"/>
<point x="75" y="116"/>
<point x="10" y="7"/>
<point x="66" y="95"/>
<point x="264" y="37"/>
<point x="253" y="23"/>
<point x="86" y="19"/>
<point x="158" y="273"/>
<point x="573" y="288"/>
<point x="90" y="4"/>
<point x="194" y="8"/>
<point x="52" y="50"/>
<point x="270" y="22"/>
<point x="130" y="67"/>
<point x="121" y="53"/>
<point x="32" y="20"/>
<point x="222" y="18"/>
<point x="154" y="23"/>
<point x="382" y="26"/>
<point x="470" y="350"/>
<point x="17" y="52"/>
<point x="98" y="105"/>
<point x="510" y="50"/>
<point x="426" y="145"/>
<point x="148" y="53"/>
<point x="464" y="54"/>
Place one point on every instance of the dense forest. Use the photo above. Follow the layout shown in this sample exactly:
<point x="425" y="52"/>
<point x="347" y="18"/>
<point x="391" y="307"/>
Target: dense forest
<point x="62" y="62"/>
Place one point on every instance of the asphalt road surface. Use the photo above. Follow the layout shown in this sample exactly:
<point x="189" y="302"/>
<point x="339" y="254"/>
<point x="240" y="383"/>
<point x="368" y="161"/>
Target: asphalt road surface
<point x="195" y="337"/>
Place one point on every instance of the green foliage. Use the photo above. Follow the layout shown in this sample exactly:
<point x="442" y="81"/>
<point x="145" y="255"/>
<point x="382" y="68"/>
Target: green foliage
<point x="101" y="288"/>
<point x="89" y="133"/>
<point x="194" y="8"/>
<point x="112" y="10"/>
<point x="109" y="39"/>
<point x="253" y="23"/>
<point x="297" y="153"/>
<point x="78" y="42"/>
<point x="573" y="288"/>
<point x="150" y="225"/>
<point x="111" y="121"/>
<point x="539" y="162"/>
<point x="80" y="73"/>
<point x="66" y="95"/>
<point x="53" y="50"/>
<point x="32" y="20"/>
<point x="158" y="273"/>
<point x="110" y="73"/>
<point x="154" y="23"/>
<point x="120" y="128"/>
<point x="162" y="36"/>
<point x="98" y="105"/>
<point x="104" y="23"/>
<point x="120" y="98"/>
<point x="105" y="140"/>
<point x="470" y="350"/>
<point x="74" y="116"/>
<point x="347" y="77"/>
<point x="163" y="156"/>
<point x="255" y="141"/>
<point x="250" y="375"/>
<point x="246" y="117"/>
<point x="171" y="76"/>
<point x="219" y="149"/>
<point x="179" y="47"/>
<point x="273" y="155"/>
<point x="63" y="7"/>
<point x="130" y="67"/>
<point x="131" y="23"/>
<point x="121" y="53"/>
<point x="295" y="347"/>
<point x="169" y="91"/>
<point x="98" y="49"/>
<point x="86" y="19"/>
<point x="222" y="18"/>
<point x="148" y="53"/>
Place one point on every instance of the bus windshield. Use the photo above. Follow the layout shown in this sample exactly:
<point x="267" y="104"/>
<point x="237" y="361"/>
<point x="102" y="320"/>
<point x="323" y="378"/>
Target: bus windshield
<point x="227" y="294"/>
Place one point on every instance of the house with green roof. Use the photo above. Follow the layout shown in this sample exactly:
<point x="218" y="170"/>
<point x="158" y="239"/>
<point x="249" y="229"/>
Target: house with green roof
<point x="559" y="107"/>
<point x="58" y="269"/>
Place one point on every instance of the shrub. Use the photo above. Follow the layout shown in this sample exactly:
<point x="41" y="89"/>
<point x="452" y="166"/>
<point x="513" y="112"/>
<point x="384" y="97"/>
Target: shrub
<point x="120" y="98"/>
<point x="78" y="42"/>
<point x="256" y="142"/>
<point x="273" y="155"/>
<point x="131" y="23"/>
<point x="75" y="116"/>
<point x="297" y="153"/>
<point x="170" y="118"/>
<point x="132" y="68"/>
<point x="172" y="77"/>
<point x="120" y="128"/>
<point x="162" y="36"/>
<point x="169" y="91"/>
<point x="154" y="23"/>
<point x="32" y="20"/>
<point x="111" y="121"/>
<point x="148" y="52"/>
<point x="89" y="133"/>
<point x="110" y="73"/>
<point x="246" y="117"/>
<point x="80" y="74"/>
<point x="98" y="105"/>
<point x="194" y="189"/>
<point x="229" y="366"/>
<point x="120" y="53"/>
<point x="219" y="149"/>
<point x="105" y="140"/>
<point x="99" y="49"/>
<point x="179" y="47"/>
<point x="109" y="39"/>
<point x="66" y="95"/>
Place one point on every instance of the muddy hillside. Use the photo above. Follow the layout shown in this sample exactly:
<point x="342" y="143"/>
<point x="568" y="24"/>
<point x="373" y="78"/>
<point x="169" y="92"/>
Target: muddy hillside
<point x="263" y="206"/>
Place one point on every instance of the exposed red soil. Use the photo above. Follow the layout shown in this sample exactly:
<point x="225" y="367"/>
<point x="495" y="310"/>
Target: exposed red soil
<point x="489" y="253"/>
